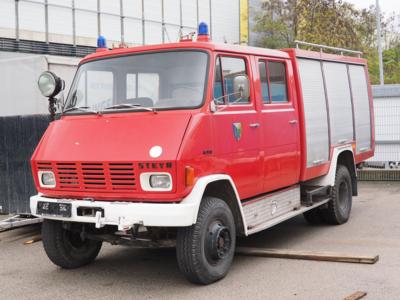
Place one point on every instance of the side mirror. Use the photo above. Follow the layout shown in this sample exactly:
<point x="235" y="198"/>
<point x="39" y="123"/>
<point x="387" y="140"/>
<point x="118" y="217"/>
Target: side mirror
<point x="50" y="84"/>
<point x="241" y="86"/>
<point x="213" y="106"/>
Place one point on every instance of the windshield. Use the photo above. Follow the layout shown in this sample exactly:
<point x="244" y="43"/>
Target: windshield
<point x="157" y="80"/>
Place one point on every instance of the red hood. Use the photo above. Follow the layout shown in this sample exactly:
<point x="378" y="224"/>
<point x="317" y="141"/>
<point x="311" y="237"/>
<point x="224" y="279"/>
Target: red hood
<point x="113" y="137"/>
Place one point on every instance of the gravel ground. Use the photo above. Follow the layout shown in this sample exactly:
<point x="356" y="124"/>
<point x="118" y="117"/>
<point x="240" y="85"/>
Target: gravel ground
<point x="121" y="272"/>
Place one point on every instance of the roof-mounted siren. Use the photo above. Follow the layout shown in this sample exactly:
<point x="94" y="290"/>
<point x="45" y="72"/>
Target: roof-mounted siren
<point x="202" y="33"/>
<point x="101" y="44"/>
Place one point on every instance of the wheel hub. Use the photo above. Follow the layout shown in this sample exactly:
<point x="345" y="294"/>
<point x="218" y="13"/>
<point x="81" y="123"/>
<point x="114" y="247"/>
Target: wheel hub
<point x="219" y="241"/>
<point x="343" y="196"/>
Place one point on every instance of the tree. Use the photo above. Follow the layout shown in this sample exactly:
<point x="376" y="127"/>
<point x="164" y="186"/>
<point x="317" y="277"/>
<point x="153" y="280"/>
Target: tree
<point x="391" y="63"/>
<point x="277" y="23"/>
<point x="329" y="22"/>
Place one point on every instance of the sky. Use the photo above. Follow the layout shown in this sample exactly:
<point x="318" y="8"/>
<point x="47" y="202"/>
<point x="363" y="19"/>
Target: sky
<point x="387" y="6"/>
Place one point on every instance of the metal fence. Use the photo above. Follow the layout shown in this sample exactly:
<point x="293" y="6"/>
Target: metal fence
<point x="19" y="136"/>
<point x="387" y="127"/>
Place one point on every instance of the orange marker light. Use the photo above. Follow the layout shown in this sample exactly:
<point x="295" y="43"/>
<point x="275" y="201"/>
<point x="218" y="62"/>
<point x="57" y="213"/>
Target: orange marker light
<point x="189" y="176"/>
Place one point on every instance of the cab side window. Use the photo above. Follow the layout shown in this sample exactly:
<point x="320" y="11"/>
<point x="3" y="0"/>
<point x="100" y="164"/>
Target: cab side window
<point x="218" y="87"/>
<point x="227" y="68"/>
<point x="273" y="81"/>
<point x="264" y="81"/>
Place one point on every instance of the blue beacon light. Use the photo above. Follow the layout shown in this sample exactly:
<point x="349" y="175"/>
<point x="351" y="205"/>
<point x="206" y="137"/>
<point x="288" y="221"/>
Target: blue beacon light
<point x="101" y="42"/>
<point x="203" y="29"/>
<point x="202" y="33"/>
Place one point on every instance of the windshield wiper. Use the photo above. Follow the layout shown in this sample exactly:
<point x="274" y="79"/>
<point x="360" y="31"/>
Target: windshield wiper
<point x="131" y="106"/>
<point x="81" y="108"/>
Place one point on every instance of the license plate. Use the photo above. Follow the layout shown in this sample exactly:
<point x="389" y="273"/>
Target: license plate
<point x="54" y="209"/>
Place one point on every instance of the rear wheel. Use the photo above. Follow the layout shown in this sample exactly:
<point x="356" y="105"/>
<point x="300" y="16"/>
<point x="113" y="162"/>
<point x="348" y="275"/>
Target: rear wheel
<point x="339" y="207"/>
<point x="66" y="248"/>
<point x="205" y="250"/>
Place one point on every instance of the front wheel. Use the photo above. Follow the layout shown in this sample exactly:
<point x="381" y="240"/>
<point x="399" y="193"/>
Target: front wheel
<point x="205" y="250"/>
<point x="66" y="248"/>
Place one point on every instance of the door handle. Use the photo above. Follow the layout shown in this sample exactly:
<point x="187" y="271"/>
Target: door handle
<point x="293" y="122"/>
<point x="254" y="125"/>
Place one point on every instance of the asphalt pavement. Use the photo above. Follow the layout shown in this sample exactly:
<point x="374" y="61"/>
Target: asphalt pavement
<point x="126" y="273"/>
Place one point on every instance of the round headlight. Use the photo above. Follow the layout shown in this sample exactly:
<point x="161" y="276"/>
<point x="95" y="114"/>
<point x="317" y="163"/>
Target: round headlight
<point x="49" y="84"/>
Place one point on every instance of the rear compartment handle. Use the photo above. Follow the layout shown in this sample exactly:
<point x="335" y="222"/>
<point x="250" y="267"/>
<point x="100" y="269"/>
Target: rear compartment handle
<point x="318" y="161"/>
<point x="293" y="122"/>
<point x="254" y="125"/>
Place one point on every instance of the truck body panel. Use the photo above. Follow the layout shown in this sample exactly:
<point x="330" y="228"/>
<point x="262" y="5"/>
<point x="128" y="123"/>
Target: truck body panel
<point x="304" y="108"/>
<point x="336" y="108"/>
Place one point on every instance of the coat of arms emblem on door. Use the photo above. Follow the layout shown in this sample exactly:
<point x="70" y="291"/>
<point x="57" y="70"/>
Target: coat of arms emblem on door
<point x="237" y="130"/>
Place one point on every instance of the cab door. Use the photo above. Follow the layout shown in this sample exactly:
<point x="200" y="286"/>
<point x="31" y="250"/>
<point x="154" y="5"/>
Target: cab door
<point x="236" y="127"/>
<point x="279" y="122"/>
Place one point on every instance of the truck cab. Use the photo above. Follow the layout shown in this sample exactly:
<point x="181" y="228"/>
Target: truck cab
<point x="189" y="144"/>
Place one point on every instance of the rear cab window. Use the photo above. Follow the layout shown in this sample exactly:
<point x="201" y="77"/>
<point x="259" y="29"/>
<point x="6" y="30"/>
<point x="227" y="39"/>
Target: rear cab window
<point x="273" y="81"/>
<point x="142" y="86"/>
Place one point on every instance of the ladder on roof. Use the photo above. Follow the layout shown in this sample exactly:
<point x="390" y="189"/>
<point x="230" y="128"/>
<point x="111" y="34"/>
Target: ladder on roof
<point x="321" y="47"/>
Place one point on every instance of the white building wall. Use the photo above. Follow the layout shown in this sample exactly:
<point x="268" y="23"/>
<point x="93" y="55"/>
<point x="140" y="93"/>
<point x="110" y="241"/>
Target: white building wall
<point x="142" y="21"/>
<point x="19" y="93"/>
<point x="225" y="26"/>
<point x="204" y="11"/>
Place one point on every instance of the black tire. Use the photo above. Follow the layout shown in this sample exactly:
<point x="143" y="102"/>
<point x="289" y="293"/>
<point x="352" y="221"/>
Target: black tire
<point x="339" y="207"/>
<point x="205" y="250"/>
<point x="65" y="248"/>
<point x="313" y="216"/>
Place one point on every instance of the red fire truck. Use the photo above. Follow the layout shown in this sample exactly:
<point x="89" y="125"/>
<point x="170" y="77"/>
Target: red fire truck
<point x="195" y="143"/>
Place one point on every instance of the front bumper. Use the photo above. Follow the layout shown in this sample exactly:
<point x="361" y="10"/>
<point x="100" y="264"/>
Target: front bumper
<point x="125" y="214"/>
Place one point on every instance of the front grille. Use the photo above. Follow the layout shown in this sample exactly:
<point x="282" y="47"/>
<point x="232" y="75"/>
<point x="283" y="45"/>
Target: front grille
<point x="92" y="176"/>
<point x="122" y="176"/>
<point x="67" y="175"/>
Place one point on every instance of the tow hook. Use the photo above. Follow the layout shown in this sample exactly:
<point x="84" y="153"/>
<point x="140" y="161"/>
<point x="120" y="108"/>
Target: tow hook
<point x="98" y="219"/>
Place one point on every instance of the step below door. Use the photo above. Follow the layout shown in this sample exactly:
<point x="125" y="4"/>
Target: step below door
<point x="261" y="210"/>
